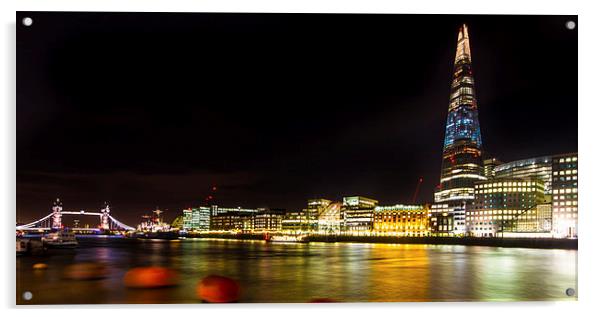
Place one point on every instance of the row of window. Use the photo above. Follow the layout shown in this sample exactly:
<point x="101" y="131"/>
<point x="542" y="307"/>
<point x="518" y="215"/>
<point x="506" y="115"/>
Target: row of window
<point x="568" y="159"/>
<point x="567" y="209"/>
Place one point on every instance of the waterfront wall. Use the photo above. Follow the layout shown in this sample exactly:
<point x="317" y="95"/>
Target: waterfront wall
<point x="542" y="243"/>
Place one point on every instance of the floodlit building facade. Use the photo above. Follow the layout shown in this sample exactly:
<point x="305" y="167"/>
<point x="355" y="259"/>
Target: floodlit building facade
<point x="537" y="167"/>
<point x="565" y="195"/>
<point x="268" y="220"/>
<point x="499" y="203"/>
<point x="315" y="209"/>
<point x="358" y="214"/>
<point x="560" y="178"/>
<point x="489" y="165"/>
<point x="196" y="219"/>
<point x="448" y="220"/>
<point x="216" y="210"/>
<point x="462" y="162"/>
<point x="295" y="222"/>
<point x="534" y="223"/>
<point x="308" y="219"/>
<point x="329" y="218"/>
<point x="232" y="221"/>
<point x="402" y="220"/>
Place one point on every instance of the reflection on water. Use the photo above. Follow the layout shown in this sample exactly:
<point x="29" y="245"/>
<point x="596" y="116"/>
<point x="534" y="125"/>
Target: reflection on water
<point x="273" y="272"/>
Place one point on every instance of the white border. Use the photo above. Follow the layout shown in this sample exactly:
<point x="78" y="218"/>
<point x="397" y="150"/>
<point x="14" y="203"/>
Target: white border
<point x="590" y="53"/>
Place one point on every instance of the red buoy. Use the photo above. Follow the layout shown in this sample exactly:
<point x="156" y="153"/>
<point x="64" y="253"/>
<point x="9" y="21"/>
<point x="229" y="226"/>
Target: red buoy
<point x="218" y="289"/>
<point x="150" y="277"/>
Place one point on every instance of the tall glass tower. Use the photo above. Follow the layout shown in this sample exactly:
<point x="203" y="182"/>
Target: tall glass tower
<point x="462" y="148"/>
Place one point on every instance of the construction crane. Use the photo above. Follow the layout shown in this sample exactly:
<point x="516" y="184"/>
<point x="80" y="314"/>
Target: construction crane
<point x="210" y="197"/>
<point x="417" y="190"/>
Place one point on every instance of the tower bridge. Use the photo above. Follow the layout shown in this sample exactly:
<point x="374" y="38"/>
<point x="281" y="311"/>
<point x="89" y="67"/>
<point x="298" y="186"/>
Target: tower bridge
<point x="54" y="219"/>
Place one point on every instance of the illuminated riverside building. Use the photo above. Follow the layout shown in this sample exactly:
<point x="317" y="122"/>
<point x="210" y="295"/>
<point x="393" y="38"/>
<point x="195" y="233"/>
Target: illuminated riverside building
<point x="321" y="215"/>
<point x="564" y="196"/>
<point x="402" y="220"/>
<point x="232" y="221"/>
<point x="537" y="167"/>
<point x="559" y="176"/>
<point x="216" y="210"/>
<point x="178" y="222"/>
<point x="197" y="219"/>
<point x="328" y="215"/>
<point x="358" y="214"/>
<point x="295" y="222"/>
<point x="462" y="162"/>
<point x="268" y="220"/>
<point x="315" y="208"/>
<point x="448" y="220"/>
<point x="534" y="223"/>
<point x="489" y="165"/>
<point x="499" y="203"/>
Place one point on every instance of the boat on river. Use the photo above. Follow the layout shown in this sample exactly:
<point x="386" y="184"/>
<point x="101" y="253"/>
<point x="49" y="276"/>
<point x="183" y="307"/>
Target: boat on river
<point x="22" y="246"/>
<point x="162" y="235"/>
<point x="287" y="238"/>
<point x="60" y="239"/>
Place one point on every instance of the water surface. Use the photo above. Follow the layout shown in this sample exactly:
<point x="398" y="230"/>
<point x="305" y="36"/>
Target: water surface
<point x="290" y="272"/>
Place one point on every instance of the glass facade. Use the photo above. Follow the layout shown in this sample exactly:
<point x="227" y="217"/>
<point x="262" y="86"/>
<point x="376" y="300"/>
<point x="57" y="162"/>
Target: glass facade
<point x="489" y="165"/>
<point x="499" y="203"/>
<point x="564" y="195"/>
<point x="448" y="220"/>
<point x="197" y="219"/>
<point x="329" y="216"/>
<point x="462" y="147"/>
<point x="358" y="213"/>
<point x="537" y="167"/>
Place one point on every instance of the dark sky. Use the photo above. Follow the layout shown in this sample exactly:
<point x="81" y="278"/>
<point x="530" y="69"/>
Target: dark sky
<point x="152" y="109"/>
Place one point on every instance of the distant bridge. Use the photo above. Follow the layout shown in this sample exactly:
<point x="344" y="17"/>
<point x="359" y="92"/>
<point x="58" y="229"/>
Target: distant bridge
<point x="54" y="220"/>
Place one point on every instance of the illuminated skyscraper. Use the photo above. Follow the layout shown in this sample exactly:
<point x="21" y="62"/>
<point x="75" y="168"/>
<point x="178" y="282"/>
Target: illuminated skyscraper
<point x="462" y="148"/>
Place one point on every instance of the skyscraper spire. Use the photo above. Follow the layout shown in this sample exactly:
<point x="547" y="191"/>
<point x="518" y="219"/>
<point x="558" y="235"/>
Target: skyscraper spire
<point x="462" y="147"/>
<point x="463" y="47"/>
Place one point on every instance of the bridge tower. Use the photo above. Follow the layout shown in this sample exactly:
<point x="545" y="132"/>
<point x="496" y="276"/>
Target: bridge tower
<point x="57" y="208"/>
<point x="104" y="217"/>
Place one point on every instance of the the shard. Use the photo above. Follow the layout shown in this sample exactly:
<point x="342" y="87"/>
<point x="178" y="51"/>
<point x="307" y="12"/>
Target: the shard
<point x="462" y="148"/>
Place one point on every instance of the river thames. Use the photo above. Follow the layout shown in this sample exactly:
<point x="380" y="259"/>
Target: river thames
<point x="301" y="272"/>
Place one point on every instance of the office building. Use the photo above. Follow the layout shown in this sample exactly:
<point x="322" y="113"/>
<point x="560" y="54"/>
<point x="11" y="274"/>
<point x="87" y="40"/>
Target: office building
<point x="537" y="167"/>
<point x="268" y="220"/>
<point x="499" y="202"/>
<point x="565" y="195"/>
<point x="233" y="221"/>
<point x="216" y="210"/>
<point x="402" y="220"/>
<point x="296" y="222"/>
<point x="196" y="219"/>
<point x="489" y="165"/>
<point x="448" y="220"/>
<point x="358" y="214"/>
<point x="559" y="176"/>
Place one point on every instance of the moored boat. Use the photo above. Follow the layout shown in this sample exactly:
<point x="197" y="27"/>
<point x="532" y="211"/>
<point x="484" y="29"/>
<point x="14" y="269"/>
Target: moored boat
<point x="163" y="235"/>
<point x="21" y="246"/>
<point x="288" y="238"/>
<point x="60" y="239"/>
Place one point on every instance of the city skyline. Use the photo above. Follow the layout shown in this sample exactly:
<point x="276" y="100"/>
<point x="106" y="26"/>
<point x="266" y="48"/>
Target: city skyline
<point x="359" y="147"/>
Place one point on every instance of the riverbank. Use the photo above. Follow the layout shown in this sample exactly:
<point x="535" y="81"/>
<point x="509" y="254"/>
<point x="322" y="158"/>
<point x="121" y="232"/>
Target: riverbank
<point x="537" y="243"/>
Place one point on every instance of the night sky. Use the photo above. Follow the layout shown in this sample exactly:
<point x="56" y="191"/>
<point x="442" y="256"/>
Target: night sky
<point x="150" y="110"/>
